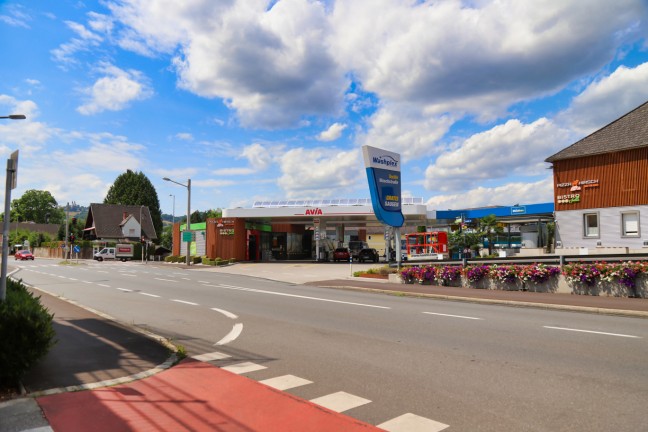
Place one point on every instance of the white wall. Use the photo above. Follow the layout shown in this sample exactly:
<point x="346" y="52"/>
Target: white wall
<point x="569" y="228"/>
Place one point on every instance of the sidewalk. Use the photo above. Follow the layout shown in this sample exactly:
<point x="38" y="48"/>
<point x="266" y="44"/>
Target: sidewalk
<point x="133" y="388"/>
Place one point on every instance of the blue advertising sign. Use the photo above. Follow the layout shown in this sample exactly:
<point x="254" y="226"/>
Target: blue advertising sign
<point x="383" y="173"/>
<point x="515" y="210"/>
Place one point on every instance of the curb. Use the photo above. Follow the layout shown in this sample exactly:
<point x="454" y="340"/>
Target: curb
<point x="513" y="303"/>
<point x="169" y="362"/>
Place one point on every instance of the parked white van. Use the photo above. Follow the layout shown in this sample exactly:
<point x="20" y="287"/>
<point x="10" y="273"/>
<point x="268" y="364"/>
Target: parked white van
<point x="123" y="252"/>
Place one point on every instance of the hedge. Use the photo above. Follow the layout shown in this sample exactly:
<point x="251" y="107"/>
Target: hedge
<point x="26" y="332"/>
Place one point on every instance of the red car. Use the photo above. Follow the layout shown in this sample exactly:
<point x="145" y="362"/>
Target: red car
<point x="341" y="254"/>
<point x="24" y="255"/>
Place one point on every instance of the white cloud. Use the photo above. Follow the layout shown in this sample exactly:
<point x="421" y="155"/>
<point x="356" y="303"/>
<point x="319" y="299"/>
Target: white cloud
<point x="16" y="16"/>
<point x="273" y="64"/>
<point x="319" y="172"/>
<point x="505" y="150"/>
<point x="184" y="136"/>
<point x="406" y="129"/>
<point x="606" y="99"/>
<point x="259" y="156"/>
<point x="332" y="133"/>
<point x="417" y="52"/>
<point x="507" y="194"/>
<point x="234" y="171"/>
<point x="115" y="90"/>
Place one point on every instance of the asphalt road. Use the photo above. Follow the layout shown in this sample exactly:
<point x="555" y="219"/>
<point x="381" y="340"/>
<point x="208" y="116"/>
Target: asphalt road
<point x="472" y="367"/>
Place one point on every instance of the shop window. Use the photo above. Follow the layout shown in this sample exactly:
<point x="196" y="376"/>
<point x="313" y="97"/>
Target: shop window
<point x="591" y="225"/>
<point x="630" y="224"/>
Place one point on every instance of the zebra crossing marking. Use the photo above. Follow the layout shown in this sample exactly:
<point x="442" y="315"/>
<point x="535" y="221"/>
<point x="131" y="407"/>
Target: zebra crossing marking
<point x="285" y="382"/>
<point x="412" y="423"/>
<point x="245" y="367"/>
<point x="340" y="401"/>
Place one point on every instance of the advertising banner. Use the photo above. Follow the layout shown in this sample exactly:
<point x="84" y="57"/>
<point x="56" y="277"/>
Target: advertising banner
<point x="383" y="173"/>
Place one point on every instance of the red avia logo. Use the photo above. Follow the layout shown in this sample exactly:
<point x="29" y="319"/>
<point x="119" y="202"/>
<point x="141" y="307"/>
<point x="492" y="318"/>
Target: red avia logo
<point x="315" y="211"/>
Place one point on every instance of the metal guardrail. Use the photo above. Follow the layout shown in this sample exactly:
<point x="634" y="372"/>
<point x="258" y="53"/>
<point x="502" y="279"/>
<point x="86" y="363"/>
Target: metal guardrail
<point x="545" y="259"/>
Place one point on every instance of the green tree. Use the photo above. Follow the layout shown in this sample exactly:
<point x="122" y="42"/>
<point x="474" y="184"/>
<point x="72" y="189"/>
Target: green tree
<point x="166" y="239"/>
<point x="37" y="206"/>
<point x="134" y="188"/>
<point x="463" y="239"/>
<point x="489" y="228"/>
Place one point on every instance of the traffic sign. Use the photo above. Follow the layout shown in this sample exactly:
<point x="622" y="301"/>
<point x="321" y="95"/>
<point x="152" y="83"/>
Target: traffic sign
<point x="77" y="249"/>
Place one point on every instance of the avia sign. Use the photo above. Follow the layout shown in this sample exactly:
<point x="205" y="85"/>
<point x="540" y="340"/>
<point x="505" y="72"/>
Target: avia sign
<point x="313" y="212"/>
<point x="384" y="176"/>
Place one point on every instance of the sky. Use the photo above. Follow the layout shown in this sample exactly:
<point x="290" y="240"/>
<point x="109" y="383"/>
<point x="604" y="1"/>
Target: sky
<point x="272" y="100"/>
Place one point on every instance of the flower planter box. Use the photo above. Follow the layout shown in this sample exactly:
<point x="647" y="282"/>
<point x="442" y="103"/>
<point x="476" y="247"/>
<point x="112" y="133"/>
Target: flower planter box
<point x="581" y="288"/>
<point x="516" y="285"/>
<point x="641" y="289"/>
<point x="549" y="286"/>
<point x="614" y="289"/>
<point x="483" y="283"/>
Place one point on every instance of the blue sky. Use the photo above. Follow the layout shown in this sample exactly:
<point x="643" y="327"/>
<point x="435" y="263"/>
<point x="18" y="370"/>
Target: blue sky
<point x="262" y="100"/>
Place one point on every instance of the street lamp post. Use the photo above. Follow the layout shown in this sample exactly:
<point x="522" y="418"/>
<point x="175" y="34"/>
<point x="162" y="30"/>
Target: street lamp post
<point x="188" y="186"/>
<point x="173" y="214"/>
<point x="11" y="173"/>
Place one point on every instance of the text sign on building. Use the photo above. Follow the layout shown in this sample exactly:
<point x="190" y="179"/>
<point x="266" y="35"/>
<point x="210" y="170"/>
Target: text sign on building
<point x="518" y="210"/>
<point x="384" y="175"/>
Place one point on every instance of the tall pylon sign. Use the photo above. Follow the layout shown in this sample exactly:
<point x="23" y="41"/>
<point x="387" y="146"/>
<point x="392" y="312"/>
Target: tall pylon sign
<point x="384" y="175"/>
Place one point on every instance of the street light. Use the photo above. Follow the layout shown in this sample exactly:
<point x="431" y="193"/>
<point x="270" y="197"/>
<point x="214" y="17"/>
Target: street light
<point x="173" y="214"/>
<point x="188" y="186"/>
<point x="12" y="167"/>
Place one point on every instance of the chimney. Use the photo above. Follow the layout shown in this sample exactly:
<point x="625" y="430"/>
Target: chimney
<point x="124" y="215"/>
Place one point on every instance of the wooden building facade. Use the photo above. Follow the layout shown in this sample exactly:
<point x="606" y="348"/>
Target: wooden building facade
<point x="601" y="187"/>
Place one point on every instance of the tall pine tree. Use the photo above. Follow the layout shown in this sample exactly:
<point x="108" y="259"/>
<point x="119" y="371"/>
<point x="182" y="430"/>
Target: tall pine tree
<point x="134" y="188"/>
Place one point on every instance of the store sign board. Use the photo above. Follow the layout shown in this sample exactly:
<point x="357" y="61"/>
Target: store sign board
<point x="384" y="176"/>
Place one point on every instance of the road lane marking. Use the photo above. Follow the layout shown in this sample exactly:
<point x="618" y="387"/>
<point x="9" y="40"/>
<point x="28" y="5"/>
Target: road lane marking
<point x="452" y="316"/>
<point x="340" y="401"/>
<point x="245" y="367"/>
<point x="104" y="285"/>
<point x="285" y="382"/>
<point x="150" y="295"/>
<point x="187" y="279"/>
<point x="593" y="332"/>
<point x="72" y="279"/>
<point x="203" y="282"/>
<point x="232" y="335"/>
<point x="124" y="289"/>
<point x="412" y="423"/>
<point x="226" y="313"/>
<point x="185" y="302"/>
<point x="165" y="280"/>
<point x="211" y="356"/>
<point x="302" y="297"/>
<point x="128" y="274"/>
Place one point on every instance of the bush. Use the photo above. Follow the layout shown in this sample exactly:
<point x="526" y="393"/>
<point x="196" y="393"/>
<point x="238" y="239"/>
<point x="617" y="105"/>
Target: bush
<point x="26" y="332"/>
<point x="196" y="259"/>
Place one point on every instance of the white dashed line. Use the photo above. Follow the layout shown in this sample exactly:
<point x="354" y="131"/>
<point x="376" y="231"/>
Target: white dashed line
<point x="185" y="302"/>
<point x="124" y="289"/>
<point x="104" y="285"/>
<point x="150" y="295"/>
<point x="302" y="297"/>
<point x="592" y="332"/>
<point x="452" y="316"/>
<point x="165" y="280"/>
